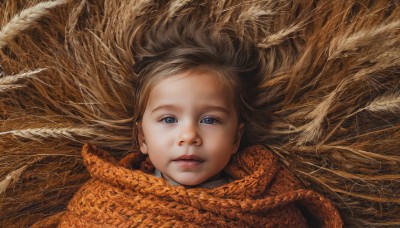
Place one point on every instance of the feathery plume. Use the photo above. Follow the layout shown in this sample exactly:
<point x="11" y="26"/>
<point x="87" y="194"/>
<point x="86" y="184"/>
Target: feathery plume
<point x="38" y="133"/>
<point x="359" y="39"/>
<point x="175" y="6"/>
<point x="4" y="88"/>
<point x="25" y="19"/>
<point x="280" y="36"/>
<point x="385" y="60"/>
<point x="313" y="130"/>
<point x="388" y="103"/>
<point x="13" y="176"/>
<point x="253" y="13"/>
<point x="8" y="82"/>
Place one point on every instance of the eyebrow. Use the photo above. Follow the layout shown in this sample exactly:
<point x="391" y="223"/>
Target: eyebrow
<point x="215" y="108"/>
<point x="204" y="109"/>
<point x="170" y="107"/>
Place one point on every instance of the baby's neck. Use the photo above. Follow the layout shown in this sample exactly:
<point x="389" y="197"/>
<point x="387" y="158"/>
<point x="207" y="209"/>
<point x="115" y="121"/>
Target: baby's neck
<point x="215" y="181"/>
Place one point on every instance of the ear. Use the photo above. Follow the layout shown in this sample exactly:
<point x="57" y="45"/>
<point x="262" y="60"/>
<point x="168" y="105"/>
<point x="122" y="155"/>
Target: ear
<point x="141" y="139"/>
<point x="238" y="137"/>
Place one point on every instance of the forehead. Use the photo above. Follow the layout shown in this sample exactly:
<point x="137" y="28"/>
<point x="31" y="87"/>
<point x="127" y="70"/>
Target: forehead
<point x="201" y="87"/>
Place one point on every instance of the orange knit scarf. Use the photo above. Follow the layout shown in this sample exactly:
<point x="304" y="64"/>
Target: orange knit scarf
<point x="263" y="194"/>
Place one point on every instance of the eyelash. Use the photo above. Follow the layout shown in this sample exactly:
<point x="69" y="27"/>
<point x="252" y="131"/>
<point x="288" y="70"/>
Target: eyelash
<point x="216" y="120"/>
<point x="163" y="119"/>
<point x="166" y="117"/>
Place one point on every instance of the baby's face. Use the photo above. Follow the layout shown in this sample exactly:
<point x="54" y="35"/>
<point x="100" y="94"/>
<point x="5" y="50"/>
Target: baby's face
<point x="190" y="127"/>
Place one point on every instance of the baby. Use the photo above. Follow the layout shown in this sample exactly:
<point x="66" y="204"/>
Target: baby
<point x="194" y="104"/>
<point x="196" y="122"/>
<point x="190" y="126"/>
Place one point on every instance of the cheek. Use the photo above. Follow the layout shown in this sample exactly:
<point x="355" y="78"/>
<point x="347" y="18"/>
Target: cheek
<point x="222" y="143"/>
<point x="221" y="146"/>
<point x="157" y="138"/>
<point x="157" y="158"/>
<point x="221" y="158"/>
<point x="222" y="137"/>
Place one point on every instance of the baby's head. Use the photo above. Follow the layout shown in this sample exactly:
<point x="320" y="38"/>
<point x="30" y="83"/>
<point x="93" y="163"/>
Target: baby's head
<point x="193" y="101"/>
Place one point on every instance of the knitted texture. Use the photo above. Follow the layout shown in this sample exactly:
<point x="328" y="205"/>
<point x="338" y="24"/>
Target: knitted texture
<point x="263" y="194"/>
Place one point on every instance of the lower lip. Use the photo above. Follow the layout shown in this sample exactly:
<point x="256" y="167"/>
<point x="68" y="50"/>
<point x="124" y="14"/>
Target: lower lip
<point x="188" y="164"/>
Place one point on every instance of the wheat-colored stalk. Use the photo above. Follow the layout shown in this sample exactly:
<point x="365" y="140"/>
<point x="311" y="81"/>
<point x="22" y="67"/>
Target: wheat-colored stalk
<point x="137" y="9"/>
<point x="388" y="103"/>
<point x="8" y="82"/>
<point x="39" y="133"/>
<point x="340" y="189"/>
<point x="4" y="88"/>
<point x="386" y="60"/>
<point x="360" y="38"/>
<point x="25" y="19"/>
<point x="13" y="176"/>
<point x="175" y="6"/>
<point x="348" y="150"/>
<point x="360" y="153"/>
<point x="280" y="36"/>
<point x="253" y="13"/>
<point x="313" y="129"/>
<point x="361" y="177"/>
<point x="15" y="78"/>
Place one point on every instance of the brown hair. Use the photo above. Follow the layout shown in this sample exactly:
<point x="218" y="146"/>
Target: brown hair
<point x="183" y="46"/>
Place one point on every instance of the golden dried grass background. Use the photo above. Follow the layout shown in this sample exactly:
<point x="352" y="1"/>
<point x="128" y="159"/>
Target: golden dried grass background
<point x="331" y="91"/>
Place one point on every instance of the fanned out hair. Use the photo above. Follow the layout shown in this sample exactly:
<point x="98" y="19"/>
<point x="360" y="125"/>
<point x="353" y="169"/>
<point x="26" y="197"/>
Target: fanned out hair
<point x="185" y="44"/>
<point x="326" y="98"/>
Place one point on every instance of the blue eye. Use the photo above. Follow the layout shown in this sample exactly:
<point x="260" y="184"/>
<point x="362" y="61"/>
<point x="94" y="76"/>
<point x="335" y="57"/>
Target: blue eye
<point x="209" y="120"/>
<point x="169" y="120"/>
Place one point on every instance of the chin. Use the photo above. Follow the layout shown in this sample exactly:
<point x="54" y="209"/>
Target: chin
<point x="190" y="182"/>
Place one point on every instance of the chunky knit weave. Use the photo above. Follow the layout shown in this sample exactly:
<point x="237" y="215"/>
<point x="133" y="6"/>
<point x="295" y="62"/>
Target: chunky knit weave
<point x="263" y="194"/>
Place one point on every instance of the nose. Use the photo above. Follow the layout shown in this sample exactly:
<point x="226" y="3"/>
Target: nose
<point x="189" y="135"/>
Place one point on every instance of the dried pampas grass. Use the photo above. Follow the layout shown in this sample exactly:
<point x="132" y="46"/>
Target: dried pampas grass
<point x="331" y="92"/>
<point x="25" y="19"/>
<point x="342" y="45"/>
<point x="386" y="103"/>
<point x="280" y="36"/>
<point x="40" y="133"/>
<point x="13" y="177"/>
<point x="175" y="6"/>
<point x="8" y="82"/>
